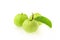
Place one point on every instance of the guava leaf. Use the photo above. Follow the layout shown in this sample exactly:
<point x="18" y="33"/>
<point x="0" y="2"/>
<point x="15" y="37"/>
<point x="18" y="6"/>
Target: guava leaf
<point x="44" y="20"/>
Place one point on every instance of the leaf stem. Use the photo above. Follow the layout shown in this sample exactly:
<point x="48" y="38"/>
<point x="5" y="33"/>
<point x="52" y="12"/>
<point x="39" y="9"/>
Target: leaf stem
<point x="32" y="16"/>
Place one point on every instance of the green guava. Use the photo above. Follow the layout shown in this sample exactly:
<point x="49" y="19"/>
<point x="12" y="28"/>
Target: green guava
<point x="30" y="26"/>
<point x="19" y="19"/>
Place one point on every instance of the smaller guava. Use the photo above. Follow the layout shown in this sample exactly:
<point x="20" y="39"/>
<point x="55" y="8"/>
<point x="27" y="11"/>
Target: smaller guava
<point x="19" y="19"/>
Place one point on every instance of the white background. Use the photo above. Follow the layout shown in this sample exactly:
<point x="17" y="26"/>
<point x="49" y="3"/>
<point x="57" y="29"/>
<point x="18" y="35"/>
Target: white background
<point x="48" y="8"/>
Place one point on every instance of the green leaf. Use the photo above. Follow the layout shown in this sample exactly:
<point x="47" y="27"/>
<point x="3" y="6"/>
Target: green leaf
<point x="44" y="20"/>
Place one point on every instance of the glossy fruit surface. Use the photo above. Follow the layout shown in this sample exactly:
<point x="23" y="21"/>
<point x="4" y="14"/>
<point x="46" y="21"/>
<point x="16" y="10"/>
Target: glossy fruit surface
<point x="19" y="19"/>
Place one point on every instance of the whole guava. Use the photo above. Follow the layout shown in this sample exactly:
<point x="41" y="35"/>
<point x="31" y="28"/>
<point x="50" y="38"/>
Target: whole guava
<point x="30" y="26"/>
<point x="19" y="19"/>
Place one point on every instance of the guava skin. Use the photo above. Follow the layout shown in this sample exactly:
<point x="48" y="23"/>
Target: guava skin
<point x="36" y="15"/>
<point x="30" y="26"/>
<point x="19" y="19"/>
